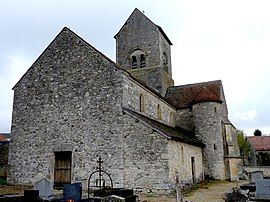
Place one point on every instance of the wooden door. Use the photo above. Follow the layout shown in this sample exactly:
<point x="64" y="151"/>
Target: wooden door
<point x="62" y="169"/>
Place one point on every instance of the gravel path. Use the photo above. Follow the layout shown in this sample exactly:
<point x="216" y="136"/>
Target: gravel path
<point x="214" y="193"/>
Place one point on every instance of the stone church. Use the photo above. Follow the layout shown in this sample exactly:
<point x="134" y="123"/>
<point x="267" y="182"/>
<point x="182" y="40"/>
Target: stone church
<point x="74" y="105"/>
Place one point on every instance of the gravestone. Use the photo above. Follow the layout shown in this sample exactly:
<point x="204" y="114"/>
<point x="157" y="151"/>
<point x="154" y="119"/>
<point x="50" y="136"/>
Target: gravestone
<point x="262" y="189"/>
<point x="30" y="195"/>
<point x="73" y="191"/>
<point x="45" y="189"/>
<point x="255" y="175"/>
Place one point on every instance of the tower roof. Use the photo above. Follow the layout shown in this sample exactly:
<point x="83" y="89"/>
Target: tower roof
<point x="187" y="95"/>
<point x="137" y="11"/>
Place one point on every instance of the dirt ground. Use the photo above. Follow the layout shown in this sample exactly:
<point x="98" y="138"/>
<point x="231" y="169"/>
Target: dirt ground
<point x="212" y="192"/>
<point x="12" y="190"/>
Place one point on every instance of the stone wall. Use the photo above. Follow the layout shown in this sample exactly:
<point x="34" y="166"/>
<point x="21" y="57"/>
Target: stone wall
<point x="233" y="168"/>
<point x="180" y="162"/>
<point x="139" y="33"/>
<point x="69" y="100"/>
<point x="146" y="157"/>
<point x="165" y="48"/>
<point x="184" y="119"/>
<point x="131" y="99"/>
<point x="166" y="72"/>
<point x="265" y="169"/>
<point x="208" y="128"/>
<point x="231" y="140"/>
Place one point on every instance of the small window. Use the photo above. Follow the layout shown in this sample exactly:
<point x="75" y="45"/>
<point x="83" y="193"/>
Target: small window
<point x="182" y="154"/>
<point x="142" y="60"/>
<point x="215" y="147"/>
<point x="215" y="109"/>
<point x="158" y="112"/>
<point x="171" y="118"/>
<point x="141" y="103"/>
<point x="165" y="62"/>
<point x="134" y="62"/>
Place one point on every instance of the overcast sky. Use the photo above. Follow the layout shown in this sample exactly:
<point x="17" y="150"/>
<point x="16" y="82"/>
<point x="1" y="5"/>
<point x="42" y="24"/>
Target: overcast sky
<point x="227" y="40"/>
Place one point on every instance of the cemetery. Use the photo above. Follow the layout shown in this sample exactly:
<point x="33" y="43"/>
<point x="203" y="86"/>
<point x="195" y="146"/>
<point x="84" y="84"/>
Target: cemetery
<point x="100" y="189"/>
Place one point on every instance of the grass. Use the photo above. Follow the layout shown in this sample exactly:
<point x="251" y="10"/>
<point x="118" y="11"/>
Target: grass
<point x="3" y="181"/>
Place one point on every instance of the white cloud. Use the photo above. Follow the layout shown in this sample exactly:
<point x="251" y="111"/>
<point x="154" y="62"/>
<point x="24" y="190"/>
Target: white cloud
<point x="16" y="67"/>
<point x="245" y="116"/>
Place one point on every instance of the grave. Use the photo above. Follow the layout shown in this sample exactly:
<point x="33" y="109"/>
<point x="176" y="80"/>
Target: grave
<point x="262" y="189"/>
<point x="31" y="195"/>
<point x="255" y="175"/>
<point x="101" y="184"/>
<point x="45" y="189"/>
<point x="72" y="191"/>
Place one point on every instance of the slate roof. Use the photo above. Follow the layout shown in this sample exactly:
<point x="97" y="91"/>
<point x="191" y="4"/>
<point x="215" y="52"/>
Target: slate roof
<point x="186" y="95"/>
<point x="159" y="28"/>
<point x="260" y="143"/>
<point x="173" y="133"/>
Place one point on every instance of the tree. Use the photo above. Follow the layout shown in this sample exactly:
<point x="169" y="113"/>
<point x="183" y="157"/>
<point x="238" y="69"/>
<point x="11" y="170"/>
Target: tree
<point x="257" y="132"/>
<point x="244" y="146"/>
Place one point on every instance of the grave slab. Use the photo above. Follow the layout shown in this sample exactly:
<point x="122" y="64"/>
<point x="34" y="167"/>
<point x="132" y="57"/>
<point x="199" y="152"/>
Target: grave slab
<point x="262" y="189"/>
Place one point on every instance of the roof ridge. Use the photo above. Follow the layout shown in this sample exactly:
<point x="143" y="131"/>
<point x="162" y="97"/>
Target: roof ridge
<point x="159" y="28"/>
<point x="198" y="83"/>
<point x="95" y="49"/>
<point x="173" y="133"/>
<point x="66" y="29"/>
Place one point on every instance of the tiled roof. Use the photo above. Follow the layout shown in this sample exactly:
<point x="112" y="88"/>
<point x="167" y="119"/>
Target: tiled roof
<point x="174" y="133"/>
<point x="3" y="138"/>
<point x="260" y="143"/>
<point x="187" y="95"/>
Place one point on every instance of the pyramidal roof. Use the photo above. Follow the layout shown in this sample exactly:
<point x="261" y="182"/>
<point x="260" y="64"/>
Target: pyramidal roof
<point x="137" y="11"/>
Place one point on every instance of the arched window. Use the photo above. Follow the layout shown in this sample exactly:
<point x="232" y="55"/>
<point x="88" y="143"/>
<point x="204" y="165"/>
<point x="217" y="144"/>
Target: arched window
<point x="142" y="60"/>
<point x="165" y="62"/>
<point x="134" y="62"/>
<point x="158" y="112"/>
<point x="137" y="58"/>
<point x="141" y="103"/>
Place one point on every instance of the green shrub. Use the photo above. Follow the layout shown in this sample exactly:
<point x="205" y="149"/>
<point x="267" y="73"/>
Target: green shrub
<point x="2" y="181"/>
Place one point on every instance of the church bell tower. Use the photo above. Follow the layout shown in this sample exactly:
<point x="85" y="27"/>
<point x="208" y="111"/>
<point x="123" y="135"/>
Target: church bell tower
<point x="143" y="49"/>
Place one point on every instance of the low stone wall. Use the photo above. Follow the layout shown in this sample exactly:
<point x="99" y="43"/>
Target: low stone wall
<point x="265" y="169"/>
